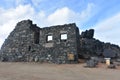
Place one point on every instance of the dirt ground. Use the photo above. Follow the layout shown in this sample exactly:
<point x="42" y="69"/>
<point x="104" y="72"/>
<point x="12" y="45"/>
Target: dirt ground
<point x="37" y="71"/>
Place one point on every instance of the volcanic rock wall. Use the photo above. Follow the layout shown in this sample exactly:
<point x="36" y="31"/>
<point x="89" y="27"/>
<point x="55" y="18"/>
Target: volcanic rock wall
<point x="16" y="46"/>
<point x="27" y="42"/>
<point x="54" y="44"/>
<point x="91" y="47"/>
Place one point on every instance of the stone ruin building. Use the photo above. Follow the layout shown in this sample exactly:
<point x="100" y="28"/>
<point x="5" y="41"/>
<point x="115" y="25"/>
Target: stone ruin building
<point x="54" y="44"/>
<point x="27" y="42"/>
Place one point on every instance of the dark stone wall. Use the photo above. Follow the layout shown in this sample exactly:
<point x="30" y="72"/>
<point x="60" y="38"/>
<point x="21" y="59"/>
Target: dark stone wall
<point x="17" y="44"/>
<point x="27" y="42"/>
<point x="91" y="47"/>
<point x="59" y="49"/>
<point x="88" y="34"/>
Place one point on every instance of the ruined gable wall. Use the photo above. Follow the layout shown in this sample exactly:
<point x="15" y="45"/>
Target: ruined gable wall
<point x="17" y="44"/>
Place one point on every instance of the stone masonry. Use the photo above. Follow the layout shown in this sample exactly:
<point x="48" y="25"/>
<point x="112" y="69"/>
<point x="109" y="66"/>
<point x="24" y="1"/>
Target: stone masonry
<point x="27" y="42"/>
<point x="55" y="44"/>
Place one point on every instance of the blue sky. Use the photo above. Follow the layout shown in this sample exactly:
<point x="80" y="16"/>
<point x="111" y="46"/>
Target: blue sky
<point x="101" y="15"/>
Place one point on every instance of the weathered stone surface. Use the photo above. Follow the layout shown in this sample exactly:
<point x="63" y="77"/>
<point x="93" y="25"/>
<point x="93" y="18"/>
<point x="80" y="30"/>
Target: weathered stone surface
<point x="91" y="63"/>
<point x="27" y="42"/>
<point x="112" y="66"/>
<point x="88" y="34"/>
<point x="93" y="47"/>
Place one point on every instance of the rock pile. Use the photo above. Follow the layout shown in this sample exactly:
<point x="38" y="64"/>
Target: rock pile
<point x="90" y="46"/>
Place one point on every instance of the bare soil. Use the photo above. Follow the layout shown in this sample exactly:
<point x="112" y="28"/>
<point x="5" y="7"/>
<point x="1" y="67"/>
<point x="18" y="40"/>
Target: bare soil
<point x="37" y="71"/>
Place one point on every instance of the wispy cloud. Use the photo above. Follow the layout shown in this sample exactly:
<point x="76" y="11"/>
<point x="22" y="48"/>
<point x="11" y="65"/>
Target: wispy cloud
<point x="36" y="2"/>
<point x="109" y="29"/>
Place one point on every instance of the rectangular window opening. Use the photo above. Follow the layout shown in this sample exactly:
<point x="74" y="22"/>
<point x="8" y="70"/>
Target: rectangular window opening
<point x="49" y="38"/>
<point x="63" y="36"/>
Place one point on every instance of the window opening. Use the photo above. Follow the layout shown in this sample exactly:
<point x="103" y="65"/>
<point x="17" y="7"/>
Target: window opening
<point x="49" y="38"/>
<point x="63" y="36"/>
<point x="29" y="48"/>
<point x="36" y="37"/>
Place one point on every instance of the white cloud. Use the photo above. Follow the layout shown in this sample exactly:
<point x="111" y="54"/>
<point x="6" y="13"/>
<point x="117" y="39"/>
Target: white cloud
<point x="88" y="12"/>
<point x="66" y="15"/>
<point x="60" y="16"/>
<point x="9" y="17"/>
<point x="109" y="29"/>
